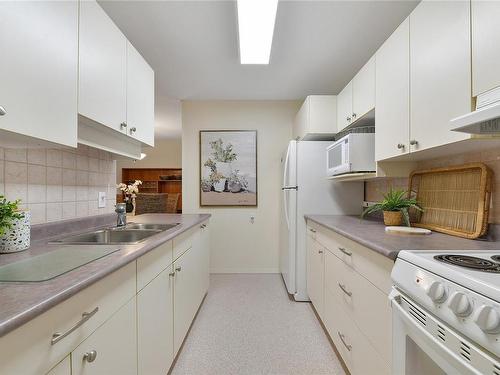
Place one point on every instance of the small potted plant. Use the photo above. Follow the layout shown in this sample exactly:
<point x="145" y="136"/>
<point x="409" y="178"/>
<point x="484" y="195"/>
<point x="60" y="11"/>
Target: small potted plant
<point x="223" y="156"/>
<point x="129" y="193"/>
<point x="14" y="227"/>
<point x="395" y="206"/>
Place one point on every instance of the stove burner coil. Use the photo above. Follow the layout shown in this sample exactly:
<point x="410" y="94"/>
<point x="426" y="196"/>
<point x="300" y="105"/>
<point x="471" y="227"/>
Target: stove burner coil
<point x="473" y="263"/>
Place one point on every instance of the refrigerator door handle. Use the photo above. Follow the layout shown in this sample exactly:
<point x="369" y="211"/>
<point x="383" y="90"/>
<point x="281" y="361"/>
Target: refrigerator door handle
<point x="285" y="204"/>
<point x="285" y="169"/>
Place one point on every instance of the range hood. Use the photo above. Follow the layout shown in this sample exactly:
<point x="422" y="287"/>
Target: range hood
<point x="485" y="119"/>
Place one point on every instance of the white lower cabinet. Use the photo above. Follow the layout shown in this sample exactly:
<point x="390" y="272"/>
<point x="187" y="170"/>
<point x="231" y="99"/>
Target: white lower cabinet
<point x="155" y="325"/>
<point x="353" y="300"/>
<point x="62" y="368"/>
<point x="315" y="274"/>
<point x="139" y="317"/>
<point x="111" y="349"/>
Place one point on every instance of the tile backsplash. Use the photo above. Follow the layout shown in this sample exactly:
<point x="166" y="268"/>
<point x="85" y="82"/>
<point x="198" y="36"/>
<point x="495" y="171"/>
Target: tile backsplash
<point x="58" y="184"/>
<point x="491" y="157"/>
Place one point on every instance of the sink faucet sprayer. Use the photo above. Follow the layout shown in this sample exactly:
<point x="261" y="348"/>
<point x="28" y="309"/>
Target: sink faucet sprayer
<point x="121" y="211"/>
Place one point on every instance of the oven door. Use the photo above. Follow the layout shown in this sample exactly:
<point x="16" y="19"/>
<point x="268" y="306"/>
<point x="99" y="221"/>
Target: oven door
<point x="424" y="345"/>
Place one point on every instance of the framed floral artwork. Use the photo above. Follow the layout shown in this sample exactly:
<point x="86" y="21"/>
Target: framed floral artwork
<point x="228" y="168"/>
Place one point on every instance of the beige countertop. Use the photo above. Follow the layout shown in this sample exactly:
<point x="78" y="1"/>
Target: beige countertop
<point x="23" y="301"/>
<point x="371" y="233"/>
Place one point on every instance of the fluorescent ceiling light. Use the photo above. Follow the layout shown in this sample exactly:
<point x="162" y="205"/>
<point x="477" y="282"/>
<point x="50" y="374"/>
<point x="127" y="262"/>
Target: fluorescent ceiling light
<point x="256" y="20"/>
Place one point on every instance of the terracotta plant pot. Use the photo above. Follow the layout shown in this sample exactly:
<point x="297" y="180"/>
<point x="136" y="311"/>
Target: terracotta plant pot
<point x="393" y="218"/>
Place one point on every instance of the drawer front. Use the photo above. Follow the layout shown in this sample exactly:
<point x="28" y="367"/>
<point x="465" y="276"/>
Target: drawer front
<point x="311" y="230"/>
<point x="373" y="266"/>
<point x="33" y="339"/>
<point x="363" y="302"/>
<point x="358" y="354"/>
<point x="184" y="241"/>
<point x="153" y="263"/>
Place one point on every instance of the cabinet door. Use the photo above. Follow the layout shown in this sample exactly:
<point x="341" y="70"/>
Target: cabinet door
<point x="440" y="71"/>
<point x="62" y="368"/>
<point x="392" y="94"/>
<point x="38" y="69"/>
<point x="485" y="42"/>
<point x="186" y="294"/>
<point x="114" y="344"/>
<point x="205" y="256"/>
<point x="315" y="274"/>
<point x="300" y="121"/>
<point x="344" y="107"/>
<point x="363" y="90"/>
<point x="155" y="325"/>
<point x="140" y="97"/>
<point x="102" y="68"/>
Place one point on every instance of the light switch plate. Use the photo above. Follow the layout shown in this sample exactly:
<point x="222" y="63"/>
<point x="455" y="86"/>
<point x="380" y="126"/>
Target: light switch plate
<point x="102" y="199"/>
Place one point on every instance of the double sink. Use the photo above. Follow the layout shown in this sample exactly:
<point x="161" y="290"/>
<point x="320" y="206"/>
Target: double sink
<point x="128" y="235"/>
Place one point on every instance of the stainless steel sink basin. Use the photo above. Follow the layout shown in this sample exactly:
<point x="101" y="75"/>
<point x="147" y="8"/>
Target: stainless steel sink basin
<point x="161" y="227"/>
<point x="109" y="236"/>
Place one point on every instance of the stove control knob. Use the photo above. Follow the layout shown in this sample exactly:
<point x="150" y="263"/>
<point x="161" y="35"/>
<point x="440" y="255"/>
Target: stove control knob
<point x="437" y="292"/>
<point x="460" y="304"/>
<point x="488" y="319"/>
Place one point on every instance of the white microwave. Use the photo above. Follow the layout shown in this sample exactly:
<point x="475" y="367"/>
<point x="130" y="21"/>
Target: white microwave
<point x="354" y="153"/>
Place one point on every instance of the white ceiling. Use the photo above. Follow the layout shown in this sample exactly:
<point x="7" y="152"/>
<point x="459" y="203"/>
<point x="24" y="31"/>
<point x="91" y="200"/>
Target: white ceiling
<point x="318" y="46"/>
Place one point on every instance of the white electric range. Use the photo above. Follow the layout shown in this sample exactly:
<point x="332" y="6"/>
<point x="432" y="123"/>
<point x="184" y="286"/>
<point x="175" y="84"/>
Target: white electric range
<point x="446" y="312"/>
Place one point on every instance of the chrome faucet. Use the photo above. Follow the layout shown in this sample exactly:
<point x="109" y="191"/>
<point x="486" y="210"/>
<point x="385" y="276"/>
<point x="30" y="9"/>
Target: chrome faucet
<point x="121" y="211"/>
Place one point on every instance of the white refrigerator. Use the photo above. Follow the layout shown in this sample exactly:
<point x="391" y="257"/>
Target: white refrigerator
<point x="307" y="190"/>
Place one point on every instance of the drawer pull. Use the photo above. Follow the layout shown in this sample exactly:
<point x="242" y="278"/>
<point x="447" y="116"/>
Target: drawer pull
<point x="90" y="356"/>
<point x="312" y="230"/>
<point x="58" y="336"/>
<point x="320" y="251"/>
<point x="348" y="253"/>
<point x="341" y="286"/>
<point x="342" y="338"/>
<point x="171" y="274"/>
<point x="178" y="268"/>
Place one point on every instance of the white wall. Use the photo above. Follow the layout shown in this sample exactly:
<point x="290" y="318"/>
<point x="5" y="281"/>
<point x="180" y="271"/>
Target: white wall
<point x="237" y="245"/>
<point x="166" y="154"/>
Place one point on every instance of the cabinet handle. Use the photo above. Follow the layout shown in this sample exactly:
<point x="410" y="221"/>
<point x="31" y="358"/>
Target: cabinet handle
<point x="312" y="230"/>
<point x="178" y="268"/>
<point x="348" y="253"/>
<point x="353" y="116"/>
<point x="342" y="338"/>
<point x="341" y="286"/>
<point x="413" y="142"/>
<point x="348" y="119"/>
<point x="58" y="336"/>
<point x="320" y="251"/>
<point x="171" y="274"/>
<point x="133" y="130"/>
<point x="400" y="146"/>
<point x="203" y="226"/>
<point x="90" y="356"/>
<point x="2" y="111"/>
<point x="123" y="125"/>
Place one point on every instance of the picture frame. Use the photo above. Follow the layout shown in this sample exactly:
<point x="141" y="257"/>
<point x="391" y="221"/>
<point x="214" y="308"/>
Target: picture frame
<point x="228" y="168"/>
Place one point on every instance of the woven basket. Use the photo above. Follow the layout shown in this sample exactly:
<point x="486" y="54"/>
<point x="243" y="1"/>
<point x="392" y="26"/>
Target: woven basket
<point x="455" y="200"/>
<point x="393" y="218"/>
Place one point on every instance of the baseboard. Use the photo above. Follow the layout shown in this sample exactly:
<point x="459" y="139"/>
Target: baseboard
<point x="244" y="270"/>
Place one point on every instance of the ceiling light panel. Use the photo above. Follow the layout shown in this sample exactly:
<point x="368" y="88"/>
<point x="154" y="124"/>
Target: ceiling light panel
<point x="256" y="19"/>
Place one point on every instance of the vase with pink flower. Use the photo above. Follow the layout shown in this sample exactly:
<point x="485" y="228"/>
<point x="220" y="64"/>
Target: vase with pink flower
<point x="129" y="192"/>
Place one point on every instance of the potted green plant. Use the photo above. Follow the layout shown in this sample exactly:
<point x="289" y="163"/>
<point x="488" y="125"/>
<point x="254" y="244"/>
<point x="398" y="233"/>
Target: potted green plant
<point x="395" y="206"/>
<point x="14" y="227"/>
<point x="223" y="156"/>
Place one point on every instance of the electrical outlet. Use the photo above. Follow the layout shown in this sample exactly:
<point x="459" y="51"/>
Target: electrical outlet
<point x="102" y="199"/>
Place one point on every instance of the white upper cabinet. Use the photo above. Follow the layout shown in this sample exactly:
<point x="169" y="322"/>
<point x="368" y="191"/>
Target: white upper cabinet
<point x="392" y="113"/>
<point x="440" y="71"/>
<point x="316" y="118"/>
<point x="363" y="90"/>
<point x="38" y="69"/>
<point x="344" y="107"/>
<point x="102" y="69"/>
<point x="140" y="97"/>
<point x="485" y="45"/>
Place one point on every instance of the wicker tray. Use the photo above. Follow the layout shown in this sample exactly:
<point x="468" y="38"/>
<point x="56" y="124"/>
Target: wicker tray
<point x="456" y="200"/>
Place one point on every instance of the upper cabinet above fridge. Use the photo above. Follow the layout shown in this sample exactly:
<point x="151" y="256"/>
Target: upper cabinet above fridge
<point x="316" y="119"/>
